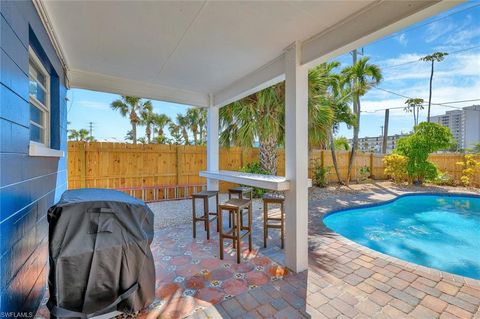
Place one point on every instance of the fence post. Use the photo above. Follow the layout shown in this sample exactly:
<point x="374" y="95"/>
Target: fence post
<point x="371" y="166"/>
<point x="242" y="157"/>
<point x="83" y="166"/>
<point x="178" y="163"/>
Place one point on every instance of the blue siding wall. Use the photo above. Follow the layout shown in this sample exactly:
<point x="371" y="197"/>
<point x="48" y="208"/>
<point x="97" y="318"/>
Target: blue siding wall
<point x="28" y="185"/>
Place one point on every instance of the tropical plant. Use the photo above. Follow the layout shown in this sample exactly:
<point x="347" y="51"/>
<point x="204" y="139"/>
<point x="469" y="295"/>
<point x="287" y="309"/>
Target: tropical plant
<point x="131" y="106"/>
<point x="81" y="135"/>
<point x="364" y="173"/>
<point x="197" y="119"/>
<point x="320" y="174"/>
<point x="142" y="140"/>
<point x="341" y="143"/>
<point x="396" y="167"/>
<point x="426" y="138"/>
<point x="255" y="168"/>
<point x="147" y="118"/>
<point x="414" y="106"/>
<point x="359" y="78"/>
<point x="175" y="132"/>
<point x="159" y="123"/>
<point x="469" y="167"/>
<point x="476" y="148"/>
<point x="258" y="117"/>
<point x="432" y="58"/>
<point x="183" y="125"/>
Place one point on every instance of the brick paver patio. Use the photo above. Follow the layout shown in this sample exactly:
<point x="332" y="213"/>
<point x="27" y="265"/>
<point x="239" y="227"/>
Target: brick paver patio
<point x="344" y="279"/>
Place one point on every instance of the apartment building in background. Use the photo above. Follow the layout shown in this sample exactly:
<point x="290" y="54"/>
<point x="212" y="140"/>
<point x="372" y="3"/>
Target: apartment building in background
<point x="374" y="144"/>
<point x="464" y="124"/>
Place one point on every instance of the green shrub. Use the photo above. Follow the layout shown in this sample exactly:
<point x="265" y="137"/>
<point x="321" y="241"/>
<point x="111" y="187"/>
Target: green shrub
<point x="396" y="167"/>
<point x="426" y="138"/>
<point x="364" y="174"/>
<point x="469" y="167"/>
<point x="444" y="179"/>
<point x="320" y="175"/>
<point x="255" y="168"/>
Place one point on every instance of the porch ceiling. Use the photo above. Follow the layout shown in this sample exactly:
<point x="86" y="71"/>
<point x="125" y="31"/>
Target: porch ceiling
<point x="182" y="51"/>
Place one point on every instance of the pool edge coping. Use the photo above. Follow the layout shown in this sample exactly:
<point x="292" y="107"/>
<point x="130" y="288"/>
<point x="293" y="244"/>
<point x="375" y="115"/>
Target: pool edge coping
<point x="415" y="267"/>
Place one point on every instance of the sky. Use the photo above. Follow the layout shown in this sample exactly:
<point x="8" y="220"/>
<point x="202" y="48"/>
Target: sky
<point x="457" y="78"/>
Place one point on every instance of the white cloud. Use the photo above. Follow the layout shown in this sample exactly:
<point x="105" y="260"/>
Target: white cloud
<point x="438" y="29"/>
<point x="402" y="39"/>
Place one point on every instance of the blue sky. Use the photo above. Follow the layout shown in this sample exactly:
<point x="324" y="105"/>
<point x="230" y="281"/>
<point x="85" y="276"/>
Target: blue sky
<point x="456" y="31"/>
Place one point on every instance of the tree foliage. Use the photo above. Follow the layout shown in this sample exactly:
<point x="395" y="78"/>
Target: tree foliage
<point x="426" y="138"/>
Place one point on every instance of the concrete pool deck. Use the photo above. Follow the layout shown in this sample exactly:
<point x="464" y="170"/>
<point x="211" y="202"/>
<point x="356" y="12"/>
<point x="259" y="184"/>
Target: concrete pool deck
<point x="344" y="279"/>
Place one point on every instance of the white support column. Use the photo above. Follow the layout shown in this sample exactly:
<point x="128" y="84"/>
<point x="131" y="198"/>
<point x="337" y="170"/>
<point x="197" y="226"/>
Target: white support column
<point x="212" y="144"/>
<point x="296" y="159"/>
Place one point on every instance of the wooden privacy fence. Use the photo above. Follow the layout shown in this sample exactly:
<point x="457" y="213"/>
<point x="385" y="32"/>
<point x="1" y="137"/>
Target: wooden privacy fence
<point x="156" y="172"/>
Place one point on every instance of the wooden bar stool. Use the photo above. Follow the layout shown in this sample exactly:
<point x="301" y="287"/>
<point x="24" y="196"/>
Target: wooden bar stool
<point x="277" y="219"/>
<point x="205" y="195"/>
<point x="240" y="192"/>
<point x="234" y="207"/>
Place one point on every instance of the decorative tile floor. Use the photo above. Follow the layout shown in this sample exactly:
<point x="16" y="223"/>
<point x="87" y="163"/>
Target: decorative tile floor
<point x="190" y="276"/>
<point x="344" y="279"/>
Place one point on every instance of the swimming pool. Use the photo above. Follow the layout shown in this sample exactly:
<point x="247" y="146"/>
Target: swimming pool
<point x="437" y="231"/>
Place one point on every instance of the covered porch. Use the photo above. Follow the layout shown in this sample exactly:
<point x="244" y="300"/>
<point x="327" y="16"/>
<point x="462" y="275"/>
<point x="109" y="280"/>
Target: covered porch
<point x="209" y="54"/>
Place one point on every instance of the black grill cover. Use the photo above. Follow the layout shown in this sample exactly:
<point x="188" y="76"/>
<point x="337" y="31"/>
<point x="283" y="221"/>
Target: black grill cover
<point x="100" y="257"/>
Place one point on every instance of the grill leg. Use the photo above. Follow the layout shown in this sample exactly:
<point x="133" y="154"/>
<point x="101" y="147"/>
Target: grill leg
<point x="194" y="219"/>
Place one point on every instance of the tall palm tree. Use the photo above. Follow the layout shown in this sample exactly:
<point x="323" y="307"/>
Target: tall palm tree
<point x="175" y="132"/>
<point x="183" y="126"/>
<point x="414" y="106"/>
<point x="359" y="78"/>
<point x="260" y="118"/>
<point x="147" y="118"/>
<point x="432" y="58"/>
<point x="159" y="123"/>
<point x="131" y="106"/>
<point x="196" y="122"/>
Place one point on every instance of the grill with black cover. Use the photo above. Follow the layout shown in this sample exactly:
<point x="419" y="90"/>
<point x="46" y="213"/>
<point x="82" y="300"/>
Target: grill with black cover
<point x="100" y="257"/>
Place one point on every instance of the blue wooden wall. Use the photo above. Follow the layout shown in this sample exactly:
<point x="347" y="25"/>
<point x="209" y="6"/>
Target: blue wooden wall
<point x="28" y="185"/>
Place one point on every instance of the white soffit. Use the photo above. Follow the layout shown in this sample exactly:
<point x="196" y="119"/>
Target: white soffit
<point x="181" y="51"/>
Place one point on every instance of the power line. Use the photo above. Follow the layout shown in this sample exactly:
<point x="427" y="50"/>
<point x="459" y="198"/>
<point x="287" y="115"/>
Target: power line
<point x="416" y="61"/>
<point x="442" y="104"/>
<point x="429" y="22"/>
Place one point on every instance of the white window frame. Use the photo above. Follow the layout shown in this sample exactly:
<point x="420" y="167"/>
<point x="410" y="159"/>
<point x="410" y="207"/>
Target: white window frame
<point x="45" y="108"/>
<point x="36" y="148"/>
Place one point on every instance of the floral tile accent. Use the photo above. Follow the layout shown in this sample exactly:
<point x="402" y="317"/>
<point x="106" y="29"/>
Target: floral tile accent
<point x="190" y="275"/>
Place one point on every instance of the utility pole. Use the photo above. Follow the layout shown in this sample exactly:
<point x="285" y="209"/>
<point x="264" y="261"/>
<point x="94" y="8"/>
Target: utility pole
<point x="385" y="132"/>
<point x="90" y="125"/>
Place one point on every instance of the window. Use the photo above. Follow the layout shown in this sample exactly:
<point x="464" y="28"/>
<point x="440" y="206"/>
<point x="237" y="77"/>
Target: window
<point x="39" y="90"/>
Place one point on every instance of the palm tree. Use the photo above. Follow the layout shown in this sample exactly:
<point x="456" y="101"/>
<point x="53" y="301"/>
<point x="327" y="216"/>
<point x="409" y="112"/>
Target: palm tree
<point x="258" y="117"/>
<point x="414" y="106"/>
<point x="159" y="123"/>
<point x="360" y="77"/>
<point x="196" y="121"/>
<point x="341" y="143"/>
<point x="183" y="126"/>
<point x="175" y="132"/>
<point x="147" y="118"/>
<point x="81" y="135"/>
<point x="434" y="57"/>
<point x="131" y="106"/>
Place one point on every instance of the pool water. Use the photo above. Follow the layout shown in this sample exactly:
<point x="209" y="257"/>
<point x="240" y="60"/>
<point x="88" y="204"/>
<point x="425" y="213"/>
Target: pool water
<point x="436" y="231"/>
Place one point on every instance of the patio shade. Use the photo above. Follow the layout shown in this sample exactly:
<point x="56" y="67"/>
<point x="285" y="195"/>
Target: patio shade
<point x="100" y="258"/>
<point x="188" y="51"/>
